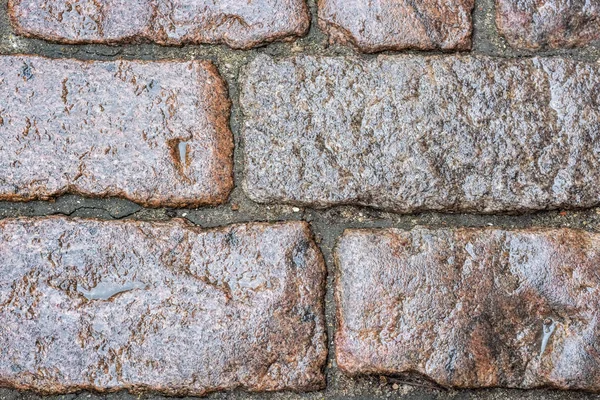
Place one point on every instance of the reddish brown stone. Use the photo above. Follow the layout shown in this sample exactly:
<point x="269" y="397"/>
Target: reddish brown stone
<point x="167" y="307"/>
<point x="378" y="25"/>
<point x="538" y="24"/>
<point x="155" y="133"/>
<point x="239" y="24"/>
<point x="471" y="308"/>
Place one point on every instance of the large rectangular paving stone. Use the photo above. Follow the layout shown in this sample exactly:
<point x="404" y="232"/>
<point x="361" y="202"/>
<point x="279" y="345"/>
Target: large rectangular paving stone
<point x="413" y="133"/>
<point x="156" y="133"/>
<point x="471" y="308"/>
<point x="548" y="24"/>
<point x="239" y="24"/>
<point x="398" y="24"/>
<point x="167" y="307"/>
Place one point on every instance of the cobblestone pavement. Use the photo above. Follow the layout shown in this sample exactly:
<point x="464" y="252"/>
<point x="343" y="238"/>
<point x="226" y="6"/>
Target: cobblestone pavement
<point x="547" y="37"/>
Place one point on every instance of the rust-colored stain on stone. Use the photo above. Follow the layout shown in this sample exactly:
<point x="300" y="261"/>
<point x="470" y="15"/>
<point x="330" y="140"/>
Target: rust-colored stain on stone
<point x="413" y="133"/>
<point x="378" y="25"/>
<point x="167" y="307"/>
<point x="471" y="308"/>
<point x="239" y="24"/>
<point x="548" y="24"/>
<point x="156" y="133"/>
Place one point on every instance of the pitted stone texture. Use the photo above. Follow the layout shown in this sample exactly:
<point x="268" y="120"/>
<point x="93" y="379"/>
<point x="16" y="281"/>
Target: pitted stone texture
<point x="167" y="307"/>
<point x="156" y="133"/>
<point x="413" y="133"/>
<point x="239" y="24"/>
<point x="471" y="308"/>
<point x="378" y="25"/>
<point x="550" y="24"/>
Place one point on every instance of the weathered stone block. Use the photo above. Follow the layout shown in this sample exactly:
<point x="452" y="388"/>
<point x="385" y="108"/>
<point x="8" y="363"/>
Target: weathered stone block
<point x="378" y="25"/>
<point x="156" y="133"/>
<point x="548" y="24"/>
<point x="471" y="308"/>
<point x="239" y="24"/>
<point x="413" y="133"/>
<point x="166" y="307"/>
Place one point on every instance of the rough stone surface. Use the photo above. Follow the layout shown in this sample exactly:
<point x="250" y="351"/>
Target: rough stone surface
<point x="155" y="133"/>
<point x="535" y="24"/>
<point x="239" y="24"/>
<point x="471" y="307"/>
<point x="378" y="25"/>
<point x="167" y="307"/>
<point x="413" y="133"/>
